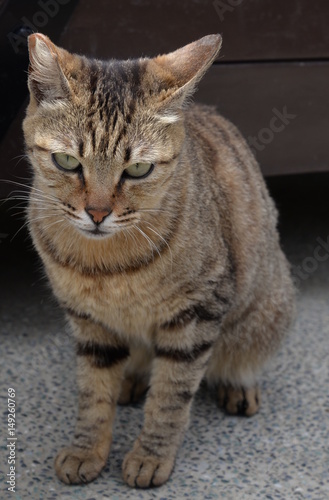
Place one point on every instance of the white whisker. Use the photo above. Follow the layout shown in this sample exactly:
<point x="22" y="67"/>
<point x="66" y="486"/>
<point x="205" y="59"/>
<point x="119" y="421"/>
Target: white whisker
<point x="154" y="210"/>
<point x="164" y="240"/>
<point x="19" y="213"/>
<point x="19" y="230"/>
<point x="41" y="217"/>
<point x="131" y="235"/>
<point x="149" y="240"/>
<point x="53" y="223"/>
<point x="31" y="189"/>
<point x="20" y="158"/>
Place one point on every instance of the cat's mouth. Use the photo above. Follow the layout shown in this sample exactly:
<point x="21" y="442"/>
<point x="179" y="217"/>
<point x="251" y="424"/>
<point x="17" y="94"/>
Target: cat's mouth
<point x="96" y="233"/>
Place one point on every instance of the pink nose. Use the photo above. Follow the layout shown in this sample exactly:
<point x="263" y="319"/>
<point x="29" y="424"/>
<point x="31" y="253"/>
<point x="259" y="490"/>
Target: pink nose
<point x="96" y="215"/>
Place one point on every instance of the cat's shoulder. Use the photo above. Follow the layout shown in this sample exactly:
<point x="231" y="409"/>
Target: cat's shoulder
<point x="209" y="118"/>
<point x="204" y="122"/>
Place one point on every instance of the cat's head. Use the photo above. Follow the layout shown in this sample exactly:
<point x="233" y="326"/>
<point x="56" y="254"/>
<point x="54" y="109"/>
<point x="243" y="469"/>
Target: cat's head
<point x="105" y="137"/>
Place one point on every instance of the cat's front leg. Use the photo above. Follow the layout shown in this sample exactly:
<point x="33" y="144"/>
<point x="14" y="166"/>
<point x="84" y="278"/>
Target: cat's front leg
<point x="181" y="356"/>
<point x="100" y="365"/>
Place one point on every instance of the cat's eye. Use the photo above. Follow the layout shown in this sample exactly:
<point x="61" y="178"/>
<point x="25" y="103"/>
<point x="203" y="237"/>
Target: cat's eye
<point x="138" y="170"/>
<point x="65" y="161"/>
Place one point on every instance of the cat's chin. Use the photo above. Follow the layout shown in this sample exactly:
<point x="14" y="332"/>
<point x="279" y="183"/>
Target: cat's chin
<point x="95" y="234"/>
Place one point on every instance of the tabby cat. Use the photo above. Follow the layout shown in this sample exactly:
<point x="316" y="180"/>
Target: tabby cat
<point x="159" y="239"/>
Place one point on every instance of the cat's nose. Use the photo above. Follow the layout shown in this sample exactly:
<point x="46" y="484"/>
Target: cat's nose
<point x="96" y="215"/>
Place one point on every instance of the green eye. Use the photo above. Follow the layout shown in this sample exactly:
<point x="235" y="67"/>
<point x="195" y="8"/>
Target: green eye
<point x="64" y="161"/>
<point x="139" y="170"/>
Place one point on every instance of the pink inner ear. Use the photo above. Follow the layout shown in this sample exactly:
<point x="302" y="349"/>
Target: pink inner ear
<point x="46" y="77"/>
<point x="189" y="63"/>
<point x="33" y="40"/>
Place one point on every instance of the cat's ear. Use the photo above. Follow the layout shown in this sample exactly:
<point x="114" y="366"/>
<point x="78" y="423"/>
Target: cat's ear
<point x="46" y="79"/>
<point x="181" y="70"/>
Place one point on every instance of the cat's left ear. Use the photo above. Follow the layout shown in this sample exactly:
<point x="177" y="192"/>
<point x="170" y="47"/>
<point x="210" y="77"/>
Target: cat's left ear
<point x="180" y="71"/>
<point x="46" y="78"/>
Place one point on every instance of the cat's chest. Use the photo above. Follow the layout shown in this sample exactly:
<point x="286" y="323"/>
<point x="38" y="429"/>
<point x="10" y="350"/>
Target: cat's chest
<point x="127" y="303"/>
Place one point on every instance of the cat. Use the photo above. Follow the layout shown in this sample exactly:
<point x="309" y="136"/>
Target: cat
<point x="159" y="238"/>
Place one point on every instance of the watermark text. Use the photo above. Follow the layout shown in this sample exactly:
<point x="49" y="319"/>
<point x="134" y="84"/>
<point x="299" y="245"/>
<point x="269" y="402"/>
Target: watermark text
<point x="223" y="6"/>
<point x="48" y="9"/>
<point x="11" y="440"/>
<point x="311" y="263"/>
<point x="265" y="136"/>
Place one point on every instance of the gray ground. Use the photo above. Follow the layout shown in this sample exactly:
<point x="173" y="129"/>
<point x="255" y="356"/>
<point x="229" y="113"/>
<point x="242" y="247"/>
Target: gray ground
<point x="281" y="453"/>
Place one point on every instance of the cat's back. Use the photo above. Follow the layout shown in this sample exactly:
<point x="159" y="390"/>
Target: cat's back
<point x="224" y="157"/>
<point x="224" y="147"/>
<point x="219" y="153"/>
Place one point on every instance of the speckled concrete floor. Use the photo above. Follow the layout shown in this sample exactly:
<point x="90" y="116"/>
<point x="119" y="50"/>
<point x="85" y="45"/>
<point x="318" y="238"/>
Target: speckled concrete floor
<point x="281" y="453"/>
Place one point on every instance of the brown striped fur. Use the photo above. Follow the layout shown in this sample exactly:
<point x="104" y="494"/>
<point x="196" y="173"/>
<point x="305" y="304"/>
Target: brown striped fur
<point x="186" y="282"/>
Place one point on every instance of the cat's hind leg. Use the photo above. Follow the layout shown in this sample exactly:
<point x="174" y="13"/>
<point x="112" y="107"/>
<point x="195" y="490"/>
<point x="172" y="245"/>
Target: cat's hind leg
<point x="239" y="400"/>
<point x="233" y="374"/>
<point x="246" y="342"/>
<point x="137" y="376"/>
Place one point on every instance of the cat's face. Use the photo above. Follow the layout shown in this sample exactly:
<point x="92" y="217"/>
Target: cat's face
<point x="103" y="170"/>
<point x="104" y="139"/>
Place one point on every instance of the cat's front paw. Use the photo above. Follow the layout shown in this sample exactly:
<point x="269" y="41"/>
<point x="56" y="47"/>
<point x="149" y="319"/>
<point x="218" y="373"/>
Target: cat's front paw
<point x="141" y="471"/>
<point x="74" y="465"/>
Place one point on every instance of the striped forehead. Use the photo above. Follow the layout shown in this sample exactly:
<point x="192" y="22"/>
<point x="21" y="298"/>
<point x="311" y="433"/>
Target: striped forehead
<point x="114" y="89"/>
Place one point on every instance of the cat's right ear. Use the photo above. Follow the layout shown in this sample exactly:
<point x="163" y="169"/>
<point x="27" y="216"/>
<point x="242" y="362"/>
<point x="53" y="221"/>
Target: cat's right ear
<point x="46" y="79"/>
